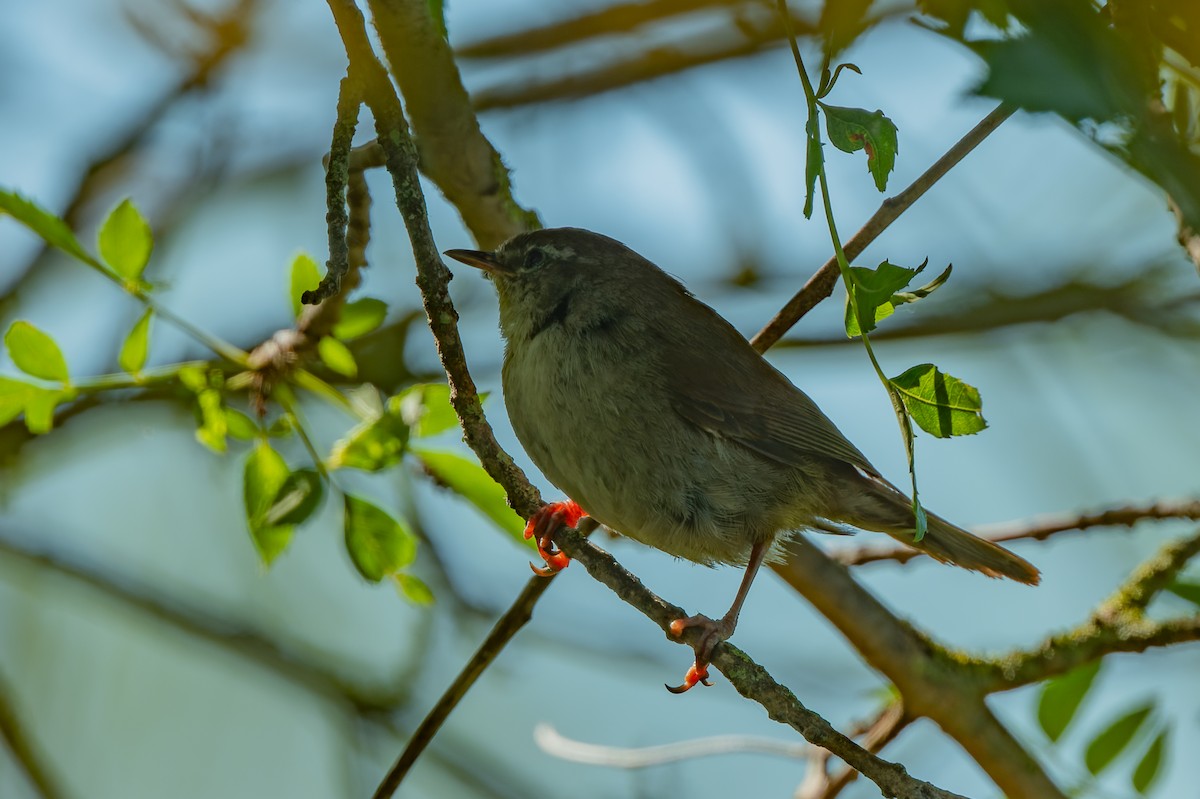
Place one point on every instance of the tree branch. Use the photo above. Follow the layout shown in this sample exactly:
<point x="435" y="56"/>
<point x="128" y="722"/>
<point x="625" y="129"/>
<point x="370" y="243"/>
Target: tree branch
<point x="821" y="284"/>
<point x="1037" y="529"/>
<point x="15" y="735"/>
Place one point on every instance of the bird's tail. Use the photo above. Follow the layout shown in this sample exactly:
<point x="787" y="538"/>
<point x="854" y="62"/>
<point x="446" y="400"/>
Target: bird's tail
<point x="881" y="507"/>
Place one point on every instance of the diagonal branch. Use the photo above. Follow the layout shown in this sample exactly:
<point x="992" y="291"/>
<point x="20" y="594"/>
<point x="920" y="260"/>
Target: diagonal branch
<point x="15" y="735"/>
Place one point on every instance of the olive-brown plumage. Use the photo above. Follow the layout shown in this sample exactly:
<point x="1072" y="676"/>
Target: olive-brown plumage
<point x="653" y="413"/>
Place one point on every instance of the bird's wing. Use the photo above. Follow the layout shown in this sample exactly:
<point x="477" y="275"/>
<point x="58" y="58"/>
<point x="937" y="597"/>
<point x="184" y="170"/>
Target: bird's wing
<point x="732" y="392"/>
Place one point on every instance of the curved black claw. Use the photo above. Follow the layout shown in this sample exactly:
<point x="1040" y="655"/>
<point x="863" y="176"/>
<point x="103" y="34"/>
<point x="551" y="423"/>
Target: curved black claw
<point x="697" y="673"/>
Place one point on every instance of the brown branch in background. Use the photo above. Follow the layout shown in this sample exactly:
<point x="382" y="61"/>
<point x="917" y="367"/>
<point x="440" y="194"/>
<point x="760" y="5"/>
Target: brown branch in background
<point x="1037" y="529"/>
<point x="821" y="284"/>
<point x="875" y="734"/>
<point x="747" y="677"/>
<point x="454" y="153"/>
<point x="25" y="754"/>
<point x="744" y="39"/>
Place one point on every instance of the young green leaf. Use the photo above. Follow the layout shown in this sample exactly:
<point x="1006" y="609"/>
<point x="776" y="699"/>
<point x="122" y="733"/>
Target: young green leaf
<point x="337" y="356"/>
<point x="14" y="398"/>
<point x="214" y="425"/>
<point x="35" y="353"/>
<point x="941" y="404"/>
<point x="359" y="318"/>
<point x="1151" y="763"/>
<point x="126" y="241"/>
<point x="240" y="426"/>
<point x="49" y="227"/>
<point x="39" y="413"/>
<point x="374" y="445"/>
<point x="854" y="129"/>
<point x="468" y="479"/>
<point x="264" y="475"/>
<point x="305" y="277"/>
<point x="873" y="292"/>
<point x="282" y="427"/>
<point x="813" y="164"/>
<point x="298" y="498"/>
<point x="902" y="297"/>
<point x="1061" y="698"/>
<point x="413" y="589"/>
<point x="378" y="544"/>
<point x="1113" y="739"/>
<point x="136" y="345"/>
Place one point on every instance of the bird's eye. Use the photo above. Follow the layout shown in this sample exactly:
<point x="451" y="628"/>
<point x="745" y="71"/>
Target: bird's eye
<point x="534" y="258"/>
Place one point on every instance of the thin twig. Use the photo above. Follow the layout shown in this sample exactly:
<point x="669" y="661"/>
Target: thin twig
<point x="1038" y="529"/>
<point x="821" y="284"/>
<point x="502" y="632"/>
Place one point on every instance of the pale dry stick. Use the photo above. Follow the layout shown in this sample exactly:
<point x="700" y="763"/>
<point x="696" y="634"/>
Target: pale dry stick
<point x="555" y="744"/>
<point x="1038" y="529"/>
<point x="823" y="281"/>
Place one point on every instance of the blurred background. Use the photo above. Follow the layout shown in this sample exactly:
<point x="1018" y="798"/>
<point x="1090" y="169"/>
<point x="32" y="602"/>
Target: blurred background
<point x="148" y="653"/>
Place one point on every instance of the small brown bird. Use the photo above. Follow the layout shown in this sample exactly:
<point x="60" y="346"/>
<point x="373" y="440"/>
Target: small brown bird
<point x="654" y="415"/>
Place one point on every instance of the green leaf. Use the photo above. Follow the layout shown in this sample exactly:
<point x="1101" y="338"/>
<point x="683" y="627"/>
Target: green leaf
<point x="35" y="353"/>
<point x="941" y="404"/>
<point x="469" y="480"/>
<point x="373" y="445"/>
<point x="378" y="544"/>
<point x="813" y="164"/>
<point x="427" y="409"/>
<point x="337" y="356"/>
<point x="265" y="474"/>
<point x="1181" y="589"/>
<point x="39" y="413"/>
<point x="14" y="398"/>
<point x="282" y="427"/>
<point x="359" y="318"/>
<point x="214" y="424"/>
<point x="1148" y="767"/>
<point x="49" y="227"/>
<point x="413" y="589"/>
<point x="873" y="293"/>
<point x="1061" y="698"/>
<point x="902" y="297"/>
<point x="305" y="277"/>
<point x="298" y="498"/>
<point x="1113" y="739"/>
<point x="126" y="241"/>
<point x="240" y="426"/>
<point x="136" y="345"/>
<point x="854" y="129"/>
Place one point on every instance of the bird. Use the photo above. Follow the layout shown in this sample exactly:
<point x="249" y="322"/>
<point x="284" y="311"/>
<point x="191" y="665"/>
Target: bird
<point x="658" y="420"/>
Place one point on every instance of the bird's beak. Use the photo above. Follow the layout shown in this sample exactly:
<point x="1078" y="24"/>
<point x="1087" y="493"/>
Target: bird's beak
<point x="480" y="260"/>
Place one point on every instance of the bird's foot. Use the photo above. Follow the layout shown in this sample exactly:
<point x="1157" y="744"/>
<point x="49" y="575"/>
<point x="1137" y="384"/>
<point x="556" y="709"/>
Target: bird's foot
<point x="711" y="633"/>
<point x="543" y="525"/>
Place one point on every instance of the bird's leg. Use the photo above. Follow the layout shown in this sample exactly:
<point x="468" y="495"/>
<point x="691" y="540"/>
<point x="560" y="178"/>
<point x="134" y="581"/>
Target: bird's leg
<point x="543" y="525"/>
<point x="714" y="632"/>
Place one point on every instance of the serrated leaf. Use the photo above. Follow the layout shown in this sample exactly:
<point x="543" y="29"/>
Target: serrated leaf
<point x="1061" y="698"/>
<point x="374" y="445"/>
<point x="872" y="294"/>
<point x="305" y="276"/>
<point x="126" y="241"/>
<point x="240" y="426"/>
<point x="337" y="356"/>
<point x="264" y="475"/>
<point x="854" y="129"/>
<point x="941" y="404"/>
<point x="427" y="409"/>
<point x="35" y="353"/>
<point x="1113" y="739"/>
<point x="359" y="318"/>
<point x="1151" y="763"/>
<point x="1185" y="590"/>
<point x="469" y="480"/>
<point x="413" y="589"/>
<point x="379" y="545"/>
<point x="297" y="500"/>
<point x="136" y="346"/>
<point x="49" y="227"/>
